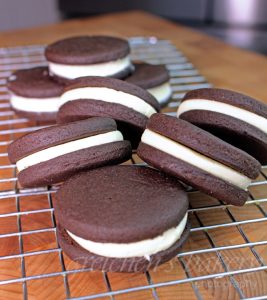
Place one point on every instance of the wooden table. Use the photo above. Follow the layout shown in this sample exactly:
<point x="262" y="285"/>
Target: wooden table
<point x="223" y="66"/>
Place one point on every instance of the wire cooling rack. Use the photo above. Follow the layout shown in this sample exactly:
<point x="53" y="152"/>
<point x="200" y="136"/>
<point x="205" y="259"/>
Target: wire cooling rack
<point x="224" y="258"/>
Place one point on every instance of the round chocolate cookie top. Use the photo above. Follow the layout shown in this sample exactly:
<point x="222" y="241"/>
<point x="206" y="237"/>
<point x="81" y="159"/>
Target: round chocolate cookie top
<point x="229" y="97"/>
<point x="205" y="143"/>
<point x="148" y="76"/>
<point x="87" y="50"/>
<point x="58" y="134"/>
<point x="120" y="204"/>
<point x="34" y="83"/>
<point x="115" y="84"/>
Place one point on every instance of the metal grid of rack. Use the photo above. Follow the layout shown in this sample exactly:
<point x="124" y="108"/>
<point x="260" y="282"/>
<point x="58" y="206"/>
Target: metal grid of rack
<point x="224" y="258"/>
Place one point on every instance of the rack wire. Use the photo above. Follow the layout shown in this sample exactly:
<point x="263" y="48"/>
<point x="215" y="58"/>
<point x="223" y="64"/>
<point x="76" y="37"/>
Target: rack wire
<point x="224" y="258"/>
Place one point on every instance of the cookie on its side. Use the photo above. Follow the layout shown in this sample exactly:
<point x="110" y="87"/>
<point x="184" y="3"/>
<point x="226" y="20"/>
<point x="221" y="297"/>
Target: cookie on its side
<point x="34" y="94"/>
<point x="129" y="105"/>
<point x="153" y="78"/>
<point x="198" y="158"/>
<point x="236" y="118"/>
<point x="121" y="218"/>
<point x="53" y="154"/>
<point x="82" y="56"/>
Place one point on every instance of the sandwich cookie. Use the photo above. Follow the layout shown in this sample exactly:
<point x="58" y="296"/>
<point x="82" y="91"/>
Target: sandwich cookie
<point x="121" y="218"/>
<point x="236" y="118"/>
<point x="129" y="105"/>
<point x="198" y="158"/>
<point x="153" y="78"/>
<point x="34" y="94"/>
<point x="89" y="56"/>
<point x="52" y="154"/>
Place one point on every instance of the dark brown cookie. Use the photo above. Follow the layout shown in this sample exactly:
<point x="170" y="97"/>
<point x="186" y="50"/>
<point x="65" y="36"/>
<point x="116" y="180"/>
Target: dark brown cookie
<point x="63" y="167"/>
<point x="131" y="122"/>
<point x="55" y="153"/>
<point x="34" y="83"/>
<point x="148" y="76"/>
<point x="89" y="56"/>
<point x="83" y="50"/>
<point x="205" y="168"/>
<point x="147" y="202"/>
<point x="225" y="123"/>
<point x="34" y="94"/>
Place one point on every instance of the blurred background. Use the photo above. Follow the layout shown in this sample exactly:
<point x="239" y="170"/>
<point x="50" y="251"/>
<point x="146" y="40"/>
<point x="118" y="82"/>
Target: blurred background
<point x="242" y="23"/>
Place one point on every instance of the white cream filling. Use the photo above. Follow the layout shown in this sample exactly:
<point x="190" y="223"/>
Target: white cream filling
<point x="194" y="158"/>
<point x="223" y="108"/>
<point x="55" y="151"/>
<point x="137" y="249"/>
<point x="101" y="69"/>
<point x="111" y="96"/>
<point x="161" y="92"/>
<point x="48" y="105"/>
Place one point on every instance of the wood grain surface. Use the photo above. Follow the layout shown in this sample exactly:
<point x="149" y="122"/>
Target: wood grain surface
<point x="224" y="66"/>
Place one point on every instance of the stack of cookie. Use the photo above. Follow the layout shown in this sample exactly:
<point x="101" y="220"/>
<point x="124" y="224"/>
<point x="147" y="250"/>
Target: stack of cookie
<point x="123" y="217"/>
<point x="35" y="93"/>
